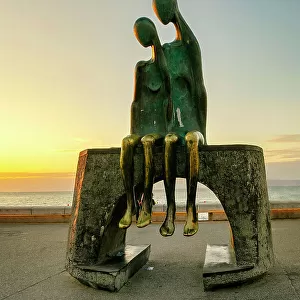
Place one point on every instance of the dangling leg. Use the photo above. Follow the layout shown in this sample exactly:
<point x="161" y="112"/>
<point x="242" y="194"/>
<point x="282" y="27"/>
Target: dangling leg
<point x="168" y="228"/>
<point x="193" y="139"/>
<point x="148" y="142"/>
<point x="126" y="162"/>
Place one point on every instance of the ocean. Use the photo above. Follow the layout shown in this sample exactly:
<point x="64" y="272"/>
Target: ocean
<point x="278" y="191"/>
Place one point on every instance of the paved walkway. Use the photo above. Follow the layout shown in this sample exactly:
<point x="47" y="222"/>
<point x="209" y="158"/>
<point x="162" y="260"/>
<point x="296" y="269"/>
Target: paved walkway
<point x="32" y="261"/>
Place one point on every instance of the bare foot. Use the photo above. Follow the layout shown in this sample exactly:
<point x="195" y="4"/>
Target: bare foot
<point x="191" y="225"/>
<point x="144" y="219"/>
<point x="125" y="222"/>
<point x="190" y="228"/>
<point x="167" y="228"/>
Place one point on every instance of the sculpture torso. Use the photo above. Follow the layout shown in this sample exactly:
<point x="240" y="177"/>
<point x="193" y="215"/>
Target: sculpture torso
<point x="182" y="89"/>
<point x="149" y="109"/>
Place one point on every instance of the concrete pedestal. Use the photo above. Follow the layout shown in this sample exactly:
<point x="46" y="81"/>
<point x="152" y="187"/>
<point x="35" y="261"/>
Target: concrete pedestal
<point x="235" y="173"/>
<point x="115" y="272"/>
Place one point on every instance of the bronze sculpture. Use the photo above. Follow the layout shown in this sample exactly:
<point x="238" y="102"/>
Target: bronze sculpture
<point x="170" y="101"/>
<point x="168" y="119"/>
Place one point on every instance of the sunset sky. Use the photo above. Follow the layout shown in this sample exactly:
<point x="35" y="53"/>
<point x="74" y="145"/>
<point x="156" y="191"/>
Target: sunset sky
<point x="66" y="81"/>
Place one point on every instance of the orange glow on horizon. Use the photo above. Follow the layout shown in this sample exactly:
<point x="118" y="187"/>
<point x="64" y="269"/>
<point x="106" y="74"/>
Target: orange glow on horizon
<point x="36" y="182"/>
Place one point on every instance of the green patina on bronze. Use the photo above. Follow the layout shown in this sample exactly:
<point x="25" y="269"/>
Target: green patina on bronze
<point x="152" y="107"/>
<point x="169" y="107"/>
<point x="169" y="91"/>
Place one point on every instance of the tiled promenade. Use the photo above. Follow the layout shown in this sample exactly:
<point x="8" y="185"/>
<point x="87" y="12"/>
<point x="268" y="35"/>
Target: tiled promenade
<point x="32" y="258"/>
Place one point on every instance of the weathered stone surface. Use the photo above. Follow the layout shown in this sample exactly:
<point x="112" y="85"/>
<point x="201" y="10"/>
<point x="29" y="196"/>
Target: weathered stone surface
<point x="220" y="259"/>
<point x="114" y="272"/>
<point x="235" y="173"/>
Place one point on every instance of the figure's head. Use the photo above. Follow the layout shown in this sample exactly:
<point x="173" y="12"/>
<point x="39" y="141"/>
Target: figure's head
<point x="165" y="10"/>
<point x="145" y="31"/>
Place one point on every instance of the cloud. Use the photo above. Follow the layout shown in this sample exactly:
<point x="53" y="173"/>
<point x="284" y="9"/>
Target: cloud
<point x="17" y="175"/>
<point x="286" y="138"/>
<point x="291" y="154"/>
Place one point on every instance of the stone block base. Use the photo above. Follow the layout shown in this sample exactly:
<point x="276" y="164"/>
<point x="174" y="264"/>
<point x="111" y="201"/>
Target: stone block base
<point x="115" y="272"/>
<point x="235" y="173"/>
<point x="220" y="268"/>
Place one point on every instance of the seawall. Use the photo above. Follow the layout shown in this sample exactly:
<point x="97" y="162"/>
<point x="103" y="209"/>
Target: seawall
<point x="206" y="212"/>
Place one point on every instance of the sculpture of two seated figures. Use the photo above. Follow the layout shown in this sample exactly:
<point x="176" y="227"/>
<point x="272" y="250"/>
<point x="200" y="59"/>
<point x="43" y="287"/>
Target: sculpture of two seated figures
<point x="169" y="108"/>
<point x="167" y="140"/>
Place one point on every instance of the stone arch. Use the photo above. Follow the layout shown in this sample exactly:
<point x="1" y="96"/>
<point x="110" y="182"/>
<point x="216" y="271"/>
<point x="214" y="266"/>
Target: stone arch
<point x="235" y="173"/>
